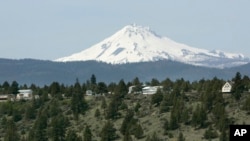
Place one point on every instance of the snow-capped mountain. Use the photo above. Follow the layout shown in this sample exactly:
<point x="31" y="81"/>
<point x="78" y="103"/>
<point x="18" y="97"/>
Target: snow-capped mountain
<point x="139" y="44"/>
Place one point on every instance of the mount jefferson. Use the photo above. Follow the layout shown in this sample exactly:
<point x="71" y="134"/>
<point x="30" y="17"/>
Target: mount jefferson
<point x="135" y="43"/>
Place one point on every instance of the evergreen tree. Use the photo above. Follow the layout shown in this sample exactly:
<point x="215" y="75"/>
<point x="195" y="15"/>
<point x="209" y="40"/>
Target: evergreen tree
<point x="102" y="88"/>
<point x="238" y="86"/>
<point x="11" y="133"/>
<point x="108" y="132"/>
<point x="154" y="137"/>
<point x="166" y="126"/>
<point x="181" y="137"/>
<point x="138" y="131"/>
<point x="121" y="90"/>
<point x="78" y="103"/>
<point x="38" y="131"/>
<point x="55" y="90"/>
<point x="199" y="116"/>
<point x="97" y="113"/>
<point x="30" y="112"/>
<point x="127" y="137"/>
<point x="14" y="87"/>
<point x="173" y="124"/>
<point x="137" y="107"/>
<point x="72" y="136"/>
<point x="138" y="87"/>
<point x="59" y="125"/>
<point x="93" y="79"/>
<point x="127" y="122"/>
<point x="112" y="111"/>
<point x="87" y="136"/>
<point x="224" y="135"/>
<point x="210" y="133"/>
<point x="154" y="82"/>
<point x="104" y="104"/>
<point x="157" y="98"/>
<point x="246" y="104"/>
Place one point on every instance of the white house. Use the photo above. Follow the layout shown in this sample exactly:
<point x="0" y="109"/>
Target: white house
<point x="25" y="94"/>
<point x="150" y="89"/>
<point x="227" y="87"/>
<point x="89" y="92"/>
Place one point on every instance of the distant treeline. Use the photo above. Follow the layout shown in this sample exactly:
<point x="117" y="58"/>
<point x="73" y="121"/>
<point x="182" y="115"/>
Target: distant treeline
<point x="60" y="108"/>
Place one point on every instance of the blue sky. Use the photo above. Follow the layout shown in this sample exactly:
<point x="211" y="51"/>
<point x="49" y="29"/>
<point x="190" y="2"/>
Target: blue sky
<point x="50" y="29"/>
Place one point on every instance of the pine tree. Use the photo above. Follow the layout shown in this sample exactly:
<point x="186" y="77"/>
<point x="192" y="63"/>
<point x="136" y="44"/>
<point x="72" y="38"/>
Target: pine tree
<point x="199" y="116"/>
<point x="97" y="113"/>
<point x="14" y="87"/>
<point x="157" y="98"/>
<point x="108" y="132"/>
<point x="181" y="137"/>
<point x="59" y="125"/>
<point x="72" y="136"/>
<point x="11" y="133"/>
<point x="104" y="104"/>
<point x="78" y="103"/>
<point x="127" y="122"/>
<point x="138" y="131"/>
<point x="210" y="133"/>
<point x="38" y="131"/>
<point x="238" y="86"/>
<point x="127" y="137"/>
<point x="87" y="136"/>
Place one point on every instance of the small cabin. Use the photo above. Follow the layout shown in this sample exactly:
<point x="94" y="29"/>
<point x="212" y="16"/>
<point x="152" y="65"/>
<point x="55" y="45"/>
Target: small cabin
<point x="227" y="87"/>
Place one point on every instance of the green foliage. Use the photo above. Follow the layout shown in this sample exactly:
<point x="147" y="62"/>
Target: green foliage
<point x="38" y="131"/>
<point x="116" y="101"/>
<point x="157" y="98"/>
<point x="224" y="135"/>
<point x="72" y="136"/>
<point x="59" y="124"/>
<point x="97" y="113"/>
<point x="238" y="86"/>
<point x="108" y="132"/>
<point x="246" y="105"/>
<point x="104" y="104"/>
<point x="199" y="116"/>
<point x="87" y="135"/>
<point x="127" y="122"/>
<point x="102" y="88"/>
<point x="137" y="107"/>
<point x="11" y="132"/>
<point x="127" y="137"/>
<point x="78" y="103"/>
<point x="14" y="87"/>
<point x="181" y="137"/>
<point x="210" y="133"/>
<point x="138" y="131"/>
<point x="154" y="137"/>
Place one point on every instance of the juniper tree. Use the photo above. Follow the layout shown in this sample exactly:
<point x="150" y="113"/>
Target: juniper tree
<point x="108" y="132"/>
<point x="11" y="133"/>
<point x="78" y="103"/>
<point x="72" y="136"/>
<point x="87" y="136"/>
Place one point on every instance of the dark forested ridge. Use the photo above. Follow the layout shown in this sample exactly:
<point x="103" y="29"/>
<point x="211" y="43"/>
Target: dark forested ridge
<point x="40" y="72"/>
<point x="180" y="110"/>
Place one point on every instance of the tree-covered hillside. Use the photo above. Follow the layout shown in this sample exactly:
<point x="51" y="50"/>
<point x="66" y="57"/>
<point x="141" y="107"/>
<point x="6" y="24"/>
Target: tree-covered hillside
<point x="181" y="110"/>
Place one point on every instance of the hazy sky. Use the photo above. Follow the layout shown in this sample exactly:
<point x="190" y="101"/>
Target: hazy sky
<point x="49" y="29"/>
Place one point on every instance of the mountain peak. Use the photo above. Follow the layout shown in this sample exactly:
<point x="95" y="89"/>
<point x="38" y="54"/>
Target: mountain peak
<point x="134" y="29"/>
<point x="134" y="43"/>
